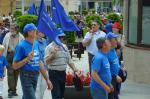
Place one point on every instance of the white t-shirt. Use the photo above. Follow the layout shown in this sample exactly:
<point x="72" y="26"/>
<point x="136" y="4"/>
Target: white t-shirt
<point x="92" y="47"/>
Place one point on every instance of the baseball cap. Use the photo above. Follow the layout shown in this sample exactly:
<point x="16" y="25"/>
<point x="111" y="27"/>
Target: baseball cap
<point x="29" y="27"/>
<point x="116" y="25"/>
<point x="111" y="35"/>
<point x="60" y="32"/>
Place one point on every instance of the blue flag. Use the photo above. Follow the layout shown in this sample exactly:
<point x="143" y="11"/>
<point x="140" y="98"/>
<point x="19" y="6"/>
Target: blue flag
<point x="60" y="17"/>
<point x="32" y="10"/>
<point x="46" y="26"/>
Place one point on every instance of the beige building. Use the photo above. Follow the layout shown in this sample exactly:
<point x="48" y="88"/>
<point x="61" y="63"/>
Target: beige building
<point x="79" y="5"/>
<point x="137" y="49"/>
<point x="7" y="6"/>
<point x="71" y="5"/>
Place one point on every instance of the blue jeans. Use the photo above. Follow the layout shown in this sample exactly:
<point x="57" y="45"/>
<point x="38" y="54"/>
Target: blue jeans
<point x="98" y="94"/>
<point x="29" y="84"/>
<point x="58" y="79"/>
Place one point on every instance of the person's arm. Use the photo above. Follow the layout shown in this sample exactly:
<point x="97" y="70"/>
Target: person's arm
<point x="86" y="42"/>
<point x="50" y="58"/>
<point x="73" y="67"/>
<point x="45" y="75"/>
<point x="50" y="55"/>
<point x="88" y="38"/>
<point x="99" y="81"/>
<point x="19" y="64"/>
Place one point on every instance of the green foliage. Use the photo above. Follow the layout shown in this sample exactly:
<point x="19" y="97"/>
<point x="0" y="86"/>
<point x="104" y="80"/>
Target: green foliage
<point x="17" y="14"/>
<point x="93" y="11"/>
<point x="71" y="17"/>
<point x="84" y="12"/>
<point x="91" y="18"/>
<point x="70" y="37"/>
<point x="114" y="17"/>
<point x="71" y="13"/>
<point x="25" y="19"/>
<point x="85" y="30"/>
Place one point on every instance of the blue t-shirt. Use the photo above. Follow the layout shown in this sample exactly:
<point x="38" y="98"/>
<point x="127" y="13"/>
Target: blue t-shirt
<point x="101" y="64"/>
<point x="3" y="63"/>
<point x="114" y="62"/>
<point x="22" y="51"/>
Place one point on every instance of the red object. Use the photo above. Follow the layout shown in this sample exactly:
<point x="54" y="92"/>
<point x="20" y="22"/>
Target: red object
<point x="82" y="77"/>
<point x="87" y="79"/>
<point x="116" y="25"/>
<point x="69" y="79"/>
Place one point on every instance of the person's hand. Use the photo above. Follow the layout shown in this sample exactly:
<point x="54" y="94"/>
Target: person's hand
<point x="108" y="89"/>
<point x="49" y="85"/>
<point x="118" y="78"/>
<point x="92" y="32"/>
<point x="55" y="49"/>
<point x="30" y="56"/>
<point x="78" y="72"/>
<point x="112" y="88"/>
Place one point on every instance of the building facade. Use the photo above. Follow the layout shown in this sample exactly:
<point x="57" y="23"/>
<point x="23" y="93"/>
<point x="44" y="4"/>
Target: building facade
<point x="98" y="5"/>
<point x="7" y="6"/>
<point x="137" y="49"/>
<point x="71" y="5"/>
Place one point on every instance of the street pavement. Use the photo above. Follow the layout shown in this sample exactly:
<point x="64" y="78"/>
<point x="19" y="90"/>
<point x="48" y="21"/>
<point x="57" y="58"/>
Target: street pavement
<point x="130" y="90"/>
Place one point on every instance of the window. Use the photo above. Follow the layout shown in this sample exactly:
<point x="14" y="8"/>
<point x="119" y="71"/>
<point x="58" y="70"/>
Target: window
<point x="133" y="21"/>
<point x="91" y="5"/>
<point x="146" y="23"/>
<point x="83" y="5"/>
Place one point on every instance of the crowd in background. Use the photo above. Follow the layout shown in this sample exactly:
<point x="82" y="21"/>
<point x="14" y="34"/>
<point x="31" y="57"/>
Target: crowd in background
<point x="95" y="40"/>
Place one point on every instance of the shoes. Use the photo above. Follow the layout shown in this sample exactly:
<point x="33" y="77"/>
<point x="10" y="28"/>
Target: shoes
<point x="14" y="94"/>
<point x="1" y="97"/>
<point x="11" y="94"/>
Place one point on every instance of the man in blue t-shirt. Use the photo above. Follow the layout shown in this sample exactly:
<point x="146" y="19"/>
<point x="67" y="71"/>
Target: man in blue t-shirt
<point x="27" y="59"/>
<point x="101" y="76"/>
<point x="114" y="64"/>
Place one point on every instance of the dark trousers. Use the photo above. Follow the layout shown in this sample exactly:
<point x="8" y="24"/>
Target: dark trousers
<point x="114" y="95"/>
<point x="12" y="76"/>
<point x="58" y="79"/>
<point x="29" y="84"/>
<point x="90" y="57"/>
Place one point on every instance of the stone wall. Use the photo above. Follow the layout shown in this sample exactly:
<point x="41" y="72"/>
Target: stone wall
<point x="137" y="62"/>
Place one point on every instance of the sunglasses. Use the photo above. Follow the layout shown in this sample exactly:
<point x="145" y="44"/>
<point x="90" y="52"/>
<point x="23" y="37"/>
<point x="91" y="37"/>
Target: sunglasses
<point x="93" y="24"/>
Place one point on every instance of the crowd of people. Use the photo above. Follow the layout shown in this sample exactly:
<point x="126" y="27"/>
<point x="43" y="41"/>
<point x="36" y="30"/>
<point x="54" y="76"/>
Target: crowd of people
<point x="41" y="64"/>
<point x="31" y="56"/>
<point x="104" y="47"/>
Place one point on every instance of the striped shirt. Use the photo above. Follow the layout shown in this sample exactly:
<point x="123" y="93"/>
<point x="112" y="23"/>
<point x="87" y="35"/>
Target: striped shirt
<point x="62" y="58"/>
